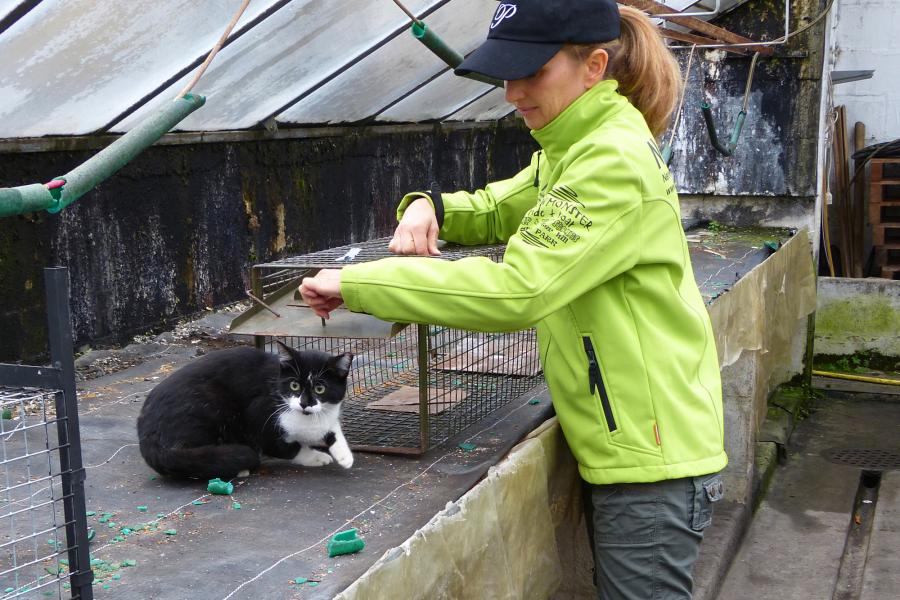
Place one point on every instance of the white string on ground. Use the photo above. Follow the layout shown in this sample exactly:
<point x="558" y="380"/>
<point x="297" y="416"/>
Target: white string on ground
<point x="110" y="458"/>
<point x="370" y="507"/>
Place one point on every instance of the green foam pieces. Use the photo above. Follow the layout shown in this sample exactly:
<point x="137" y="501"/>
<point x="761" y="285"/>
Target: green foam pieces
<point x="345" y="542"/>
<point x="300" y="580"/>
<point x="129" y="562"/>
<point x="467" y="446"/>
<point x="171" y="532"/>
<point x="142" y="508"/>
<point x="534" y="401"/>
<point x="236" y="506"/>
<point x="222" y="488"/>
<point x="91" y="534"/>
<point x="90" y="513"/>
<point x="198" y="502"/>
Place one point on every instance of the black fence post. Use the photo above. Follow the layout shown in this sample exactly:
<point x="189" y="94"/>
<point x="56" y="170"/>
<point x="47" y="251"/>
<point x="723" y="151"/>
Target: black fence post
<point x="72" y="472"/>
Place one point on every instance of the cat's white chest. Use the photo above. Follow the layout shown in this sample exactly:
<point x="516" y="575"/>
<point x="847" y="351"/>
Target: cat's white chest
<point x="308" y="429"/>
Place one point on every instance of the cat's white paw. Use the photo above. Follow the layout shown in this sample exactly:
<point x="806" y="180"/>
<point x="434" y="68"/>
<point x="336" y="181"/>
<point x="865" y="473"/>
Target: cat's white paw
<point x="312" y="458"/>
<point x="244" y="473"/>
<point x="343" y="456"/>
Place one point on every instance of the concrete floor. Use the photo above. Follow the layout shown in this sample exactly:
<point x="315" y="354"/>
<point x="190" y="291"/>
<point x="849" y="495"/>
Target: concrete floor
<point x="796" y="540"/>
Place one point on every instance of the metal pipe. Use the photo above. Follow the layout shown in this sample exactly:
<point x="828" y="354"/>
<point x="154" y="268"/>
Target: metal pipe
<point x="451" y="57"/>
<point x="83" y="178"/>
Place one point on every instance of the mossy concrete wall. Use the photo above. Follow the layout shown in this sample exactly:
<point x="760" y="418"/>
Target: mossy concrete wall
<point x="858" y="316"/>
<point x="177" y="230"/>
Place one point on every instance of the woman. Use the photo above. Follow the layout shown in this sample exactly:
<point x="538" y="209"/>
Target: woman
<point x="597" y="260"/>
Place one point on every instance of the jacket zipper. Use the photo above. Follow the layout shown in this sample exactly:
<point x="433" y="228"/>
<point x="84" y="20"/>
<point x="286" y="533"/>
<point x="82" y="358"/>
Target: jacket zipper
<point x="596" y="383"/>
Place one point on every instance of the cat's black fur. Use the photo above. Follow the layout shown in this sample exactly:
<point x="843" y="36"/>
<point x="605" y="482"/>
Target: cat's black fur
<point x="213" y="417"/>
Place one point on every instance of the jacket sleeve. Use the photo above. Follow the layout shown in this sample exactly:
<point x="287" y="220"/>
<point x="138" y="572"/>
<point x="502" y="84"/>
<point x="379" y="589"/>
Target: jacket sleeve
<point x="488" y="216"/>
<point x="581" y="233"/>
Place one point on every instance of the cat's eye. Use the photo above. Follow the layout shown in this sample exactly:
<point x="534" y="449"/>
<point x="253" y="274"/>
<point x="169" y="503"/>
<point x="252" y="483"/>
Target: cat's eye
<point x="295" y="386"/>
<point x="319" y="389"/>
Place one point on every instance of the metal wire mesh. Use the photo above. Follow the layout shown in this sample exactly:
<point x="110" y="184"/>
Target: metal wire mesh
<point x="420" y="387"/>
<point x="32" y="522"/>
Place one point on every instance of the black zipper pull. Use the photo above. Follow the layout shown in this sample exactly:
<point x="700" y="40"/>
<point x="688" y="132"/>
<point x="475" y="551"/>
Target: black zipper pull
<point x="537" y="171"/>
<point x="593" y="367"/>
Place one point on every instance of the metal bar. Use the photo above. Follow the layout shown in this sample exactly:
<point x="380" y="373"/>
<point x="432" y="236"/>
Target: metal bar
<point x="657" y="9"/>
<point x="422" y="331"/>
<point x="29" y="376"/>
<point x="72" y="469"/>
<point x="85" y="142"/>
<point x="353" y="61"/>
<point x="256" y="286"/>
<point x="699" y="40"/>
<point x="17" y="13"/>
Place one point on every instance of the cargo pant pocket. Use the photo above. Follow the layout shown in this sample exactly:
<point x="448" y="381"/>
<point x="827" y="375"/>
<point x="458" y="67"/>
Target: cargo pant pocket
<point x="707" y="490"/>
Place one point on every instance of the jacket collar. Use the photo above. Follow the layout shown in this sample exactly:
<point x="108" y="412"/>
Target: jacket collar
<point x="586" y="113"/>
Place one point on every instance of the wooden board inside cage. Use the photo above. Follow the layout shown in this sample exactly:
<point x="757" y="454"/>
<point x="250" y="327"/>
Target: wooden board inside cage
<point x="406" y="400"/>
<point x="509" y="354"/>
<point x="285" y="316"/>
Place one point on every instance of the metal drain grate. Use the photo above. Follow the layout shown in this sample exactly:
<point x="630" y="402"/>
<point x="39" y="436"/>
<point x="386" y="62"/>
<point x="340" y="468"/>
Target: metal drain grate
<point x="865" y="458"/>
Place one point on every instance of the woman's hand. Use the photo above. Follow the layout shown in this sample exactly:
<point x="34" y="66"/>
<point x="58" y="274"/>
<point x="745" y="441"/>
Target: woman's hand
<point x="417" y="232"/>
<point x="323" y="292"/>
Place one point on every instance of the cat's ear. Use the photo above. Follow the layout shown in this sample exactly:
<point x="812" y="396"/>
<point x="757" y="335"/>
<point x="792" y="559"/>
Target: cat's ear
<point x="285" y="352"/>
<point x="341" y="363"/>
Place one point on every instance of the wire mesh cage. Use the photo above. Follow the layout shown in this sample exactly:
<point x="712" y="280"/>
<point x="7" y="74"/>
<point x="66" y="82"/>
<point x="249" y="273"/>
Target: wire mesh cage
<point x="411" y="387"/>
<point x="33" y="547"/>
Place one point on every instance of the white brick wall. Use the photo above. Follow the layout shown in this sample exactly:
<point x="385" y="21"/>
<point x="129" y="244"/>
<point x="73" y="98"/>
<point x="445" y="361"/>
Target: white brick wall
<point x="867" y="36"/>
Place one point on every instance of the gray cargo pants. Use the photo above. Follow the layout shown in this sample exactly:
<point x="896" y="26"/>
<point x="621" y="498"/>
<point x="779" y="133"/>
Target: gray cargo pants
<point x="646" y="536"/>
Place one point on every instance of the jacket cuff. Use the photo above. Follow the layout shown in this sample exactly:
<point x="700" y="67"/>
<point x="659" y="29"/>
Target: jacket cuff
<point x="434" y="199"/>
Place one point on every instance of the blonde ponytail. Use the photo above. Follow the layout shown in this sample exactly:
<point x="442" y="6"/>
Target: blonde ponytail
<point x="647" y="73"/>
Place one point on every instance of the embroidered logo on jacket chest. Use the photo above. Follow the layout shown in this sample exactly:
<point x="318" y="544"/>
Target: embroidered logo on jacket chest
<point x="558" y="219"/>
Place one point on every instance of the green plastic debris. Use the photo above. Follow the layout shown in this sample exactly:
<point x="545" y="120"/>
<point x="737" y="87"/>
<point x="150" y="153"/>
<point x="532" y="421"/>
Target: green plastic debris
<point x="103" y="519"/>
<point x="467" y="446"/>
<point x="128" y="562"/>
<point x="773" y="246"/>
<point x="53" y="570"/>
<point x="313" y="583"/>
<point x="171" y="532"/>
<point x="198" y="502"/>
<point x="222" y="488"/>
<point x="91" y="534"/>
<point x="112" y="524"/>
<point x="64" y="562"/>
<point x="345" y="542"/>
<point x="96" y="561"/>
<point x="7" y="414"/>
<point x="160" y="515"/>
<point x="142" y="508"/>
<point x="300" y="580"/>
<point x="117" y="576"/>
<point x="236" y="505"/>
<point x="90" y="513"/>
<point x="9" y="589"/>
<point x="126" y="531"/>
<point x="534" y="401"/>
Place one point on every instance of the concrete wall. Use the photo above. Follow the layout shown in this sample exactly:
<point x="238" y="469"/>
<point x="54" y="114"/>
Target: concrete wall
<point x="177" y="229"/>
<point x="858" y="315"/>
<point x="876" y="101"/>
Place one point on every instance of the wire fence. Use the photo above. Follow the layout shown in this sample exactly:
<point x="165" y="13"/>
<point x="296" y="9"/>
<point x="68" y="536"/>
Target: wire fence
<point x="43" y="525"/>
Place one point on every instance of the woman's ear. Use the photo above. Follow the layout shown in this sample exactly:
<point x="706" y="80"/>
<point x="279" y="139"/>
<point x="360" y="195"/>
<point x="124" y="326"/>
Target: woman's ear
<point x="596" y="64"/>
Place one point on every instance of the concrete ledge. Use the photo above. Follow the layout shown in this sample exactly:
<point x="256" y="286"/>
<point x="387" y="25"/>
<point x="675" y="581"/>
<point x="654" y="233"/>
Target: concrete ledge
<point x="720" y="545"/>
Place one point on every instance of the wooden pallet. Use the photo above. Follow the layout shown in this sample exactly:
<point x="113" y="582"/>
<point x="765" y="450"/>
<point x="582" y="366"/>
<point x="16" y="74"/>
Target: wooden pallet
<point x="884" y="215"/>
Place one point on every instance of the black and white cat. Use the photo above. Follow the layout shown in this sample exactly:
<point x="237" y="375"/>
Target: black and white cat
<point x="213" y="418"/>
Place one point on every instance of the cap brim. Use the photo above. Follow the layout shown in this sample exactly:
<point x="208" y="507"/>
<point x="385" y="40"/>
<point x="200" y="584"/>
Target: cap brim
<point x="508" y="59"/>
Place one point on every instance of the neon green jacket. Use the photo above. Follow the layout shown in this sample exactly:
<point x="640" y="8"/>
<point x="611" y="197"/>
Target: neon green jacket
<point x="597" y="260"/>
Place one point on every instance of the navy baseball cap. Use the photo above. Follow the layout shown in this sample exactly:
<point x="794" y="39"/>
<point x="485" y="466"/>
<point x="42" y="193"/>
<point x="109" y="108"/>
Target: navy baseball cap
<point x="525" y="34"/>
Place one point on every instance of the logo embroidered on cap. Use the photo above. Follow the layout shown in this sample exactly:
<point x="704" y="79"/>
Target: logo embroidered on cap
<point x="504" y="11"/>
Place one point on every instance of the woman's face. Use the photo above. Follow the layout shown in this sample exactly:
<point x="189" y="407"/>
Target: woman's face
<point x="541" y="97"/>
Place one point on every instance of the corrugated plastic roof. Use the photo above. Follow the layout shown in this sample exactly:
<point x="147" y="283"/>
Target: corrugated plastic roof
<point x="75" y="67"/>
